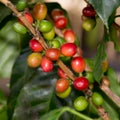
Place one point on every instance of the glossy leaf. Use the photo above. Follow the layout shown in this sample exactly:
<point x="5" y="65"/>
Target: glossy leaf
<point x="105" y="8"/>
<point x="31" y="90"/>
<point x="100" y="56"/>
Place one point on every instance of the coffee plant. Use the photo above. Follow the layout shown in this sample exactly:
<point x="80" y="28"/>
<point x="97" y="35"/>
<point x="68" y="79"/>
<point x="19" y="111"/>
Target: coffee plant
<point x="51" y="79"/>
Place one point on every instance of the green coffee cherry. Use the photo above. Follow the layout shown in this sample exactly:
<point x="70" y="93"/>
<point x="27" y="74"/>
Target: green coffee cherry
<point x="21" y="5"/>
<point x="97" y="99"/>
<point x="45" y="26"/>
<point x="60" y="39"/>
<point x="55" y="44"/>
<point x="80" y="103"/>
<point x="49" y="35"/>
<point x="64" y="94"/>
<point x="89" y="76"/>
<point x="19" y="28"/>
<point x="89" y="24"/>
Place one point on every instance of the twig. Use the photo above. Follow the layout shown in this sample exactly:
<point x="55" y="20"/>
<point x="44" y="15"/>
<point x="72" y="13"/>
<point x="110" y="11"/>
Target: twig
<point x="66" y="69"/>
<point x="110" y="94"/>
<point x="103" y="113"/>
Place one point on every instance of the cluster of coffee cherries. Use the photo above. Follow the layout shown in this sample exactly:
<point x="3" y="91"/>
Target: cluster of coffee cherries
<point x="59" y="48"/>
<point x="88" y="18"/>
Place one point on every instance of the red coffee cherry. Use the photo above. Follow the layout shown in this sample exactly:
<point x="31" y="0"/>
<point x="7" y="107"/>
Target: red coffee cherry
<point x="28" y="17"/>
<point x="78" y="64"/>
<point x="35" y="45"/>
<point x="68" y="49"/>
<point x="46" y="64"/>
<point x="61" y="22"/>
<point x="52" y="53"/>
<point x="61" y="85"/>
<point x="56" y="13"/>
<point x="61" y="73"/>
<point x="81" y="83"/>
<point x="69" y="35"/>
<point x="89" y="11"/>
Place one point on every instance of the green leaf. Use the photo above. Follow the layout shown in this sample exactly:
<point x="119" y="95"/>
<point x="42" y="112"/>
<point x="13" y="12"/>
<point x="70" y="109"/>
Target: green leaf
<point x="3" y="106"/>
<point x="9" y="49"/>
<point x="114" y="83"/>
<point x="114" y="37"/>
<point x="5" y="11"/>
<point x="100" y="56"/>
<point x="105" y="8"/>
<point x="32" y="90"/>
<point x="111" y="108"/>
<point x="55" y="114"/>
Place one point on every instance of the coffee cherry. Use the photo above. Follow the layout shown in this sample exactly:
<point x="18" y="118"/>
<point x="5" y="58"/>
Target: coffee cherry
<point x="45" y="26"/>
<point x="89" y="11"/>
<point x="19" y="28"/>
<point x="28" y="17"/>
<point x="64" y="94"/>
<point x="78" y="64"/>
<point x="56" y="13"/>
<point x="80" y="103"/>
<point x="49" y="35"/>
<point x="46" y="64"/>
<point x="40" y="11"/>
<point x="54" y="43"/>
<point x="88" y="24"/>
<point x="81" y="83"/>
<point x="61" y="85"/>
<point x="21" y="5"/>
<point x="52" y="53"/>
<point x="35" y="45"/>
<point x="60" y="39"/>
<point x="61" y="73"/>
<point x="34" y="60"/>
<point x="69" y="36"/>
<point x="61" y="22"/>
<point x="97" y="99"/>
<point x="68" y="49"/>
<point x="89" y="76"/>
